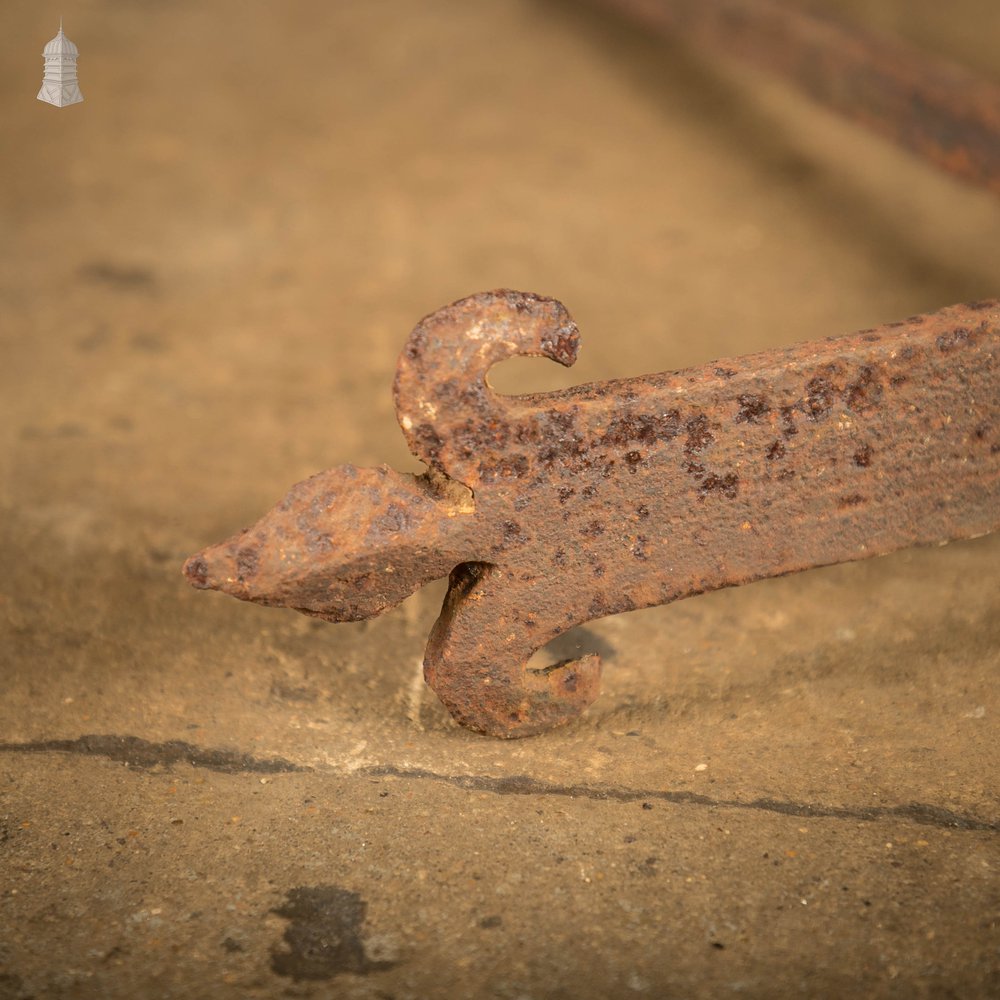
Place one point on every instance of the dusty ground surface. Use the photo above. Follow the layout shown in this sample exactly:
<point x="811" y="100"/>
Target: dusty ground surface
<point x="207" y="269"/>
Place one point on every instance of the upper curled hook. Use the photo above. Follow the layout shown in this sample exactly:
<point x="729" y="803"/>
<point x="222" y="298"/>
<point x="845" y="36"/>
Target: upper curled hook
<point x="445" y="418"/>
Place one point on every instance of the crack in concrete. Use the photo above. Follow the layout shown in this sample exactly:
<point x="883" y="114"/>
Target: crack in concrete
<point x="144" y="754"/>
<point x="917" y="812"/>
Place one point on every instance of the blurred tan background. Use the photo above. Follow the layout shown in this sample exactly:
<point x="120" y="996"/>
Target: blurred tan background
<point x="206" y="271"/>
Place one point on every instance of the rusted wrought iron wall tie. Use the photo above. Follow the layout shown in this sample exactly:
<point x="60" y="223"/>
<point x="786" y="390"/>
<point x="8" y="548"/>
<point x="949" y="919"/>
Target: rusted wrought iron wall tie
<point x="936" y="109"/>
<point x="551" y="510"/>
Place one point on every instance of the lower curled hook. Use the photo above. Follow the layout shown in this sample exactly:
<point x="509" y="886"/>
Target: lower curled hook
<point x="481" y="674"/>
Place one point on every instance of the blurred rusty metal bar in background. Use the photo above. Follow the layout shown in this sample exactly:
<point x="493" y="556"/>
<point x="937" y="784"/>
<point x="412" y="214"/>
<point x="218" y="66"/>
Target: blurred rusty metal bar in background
<point x="932" y="107"/>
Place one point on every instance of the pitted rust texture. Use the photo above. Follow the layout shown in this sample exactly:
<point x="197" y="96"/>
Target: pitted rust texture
<point x="938" y="110"/>
<point x="554" y="509"/>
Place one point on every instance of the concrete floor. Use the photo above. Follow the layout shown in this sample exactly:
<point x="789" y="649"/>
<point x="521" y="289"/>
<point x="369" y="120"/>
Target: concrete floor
<point x="208" y="267"/>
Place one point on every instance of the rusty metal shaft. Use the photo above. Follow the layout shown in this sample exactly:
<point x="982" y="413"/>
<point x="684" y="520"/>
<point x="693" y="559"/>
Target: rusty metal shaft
<point x="938" y="110"/>
<point x="554" y="509"/>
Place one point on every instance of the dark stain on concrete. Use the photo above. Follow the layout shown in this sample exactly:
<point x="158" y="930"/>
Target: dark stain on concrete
<point x="323" y="935"/>
<point x="149" y="343"/>
<point x="12" y="987"/>
<point x="283" y="689"/>
<point x="143" y="754"/>
<point x="916" y="812"/>
<point x="118" y="276"/>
